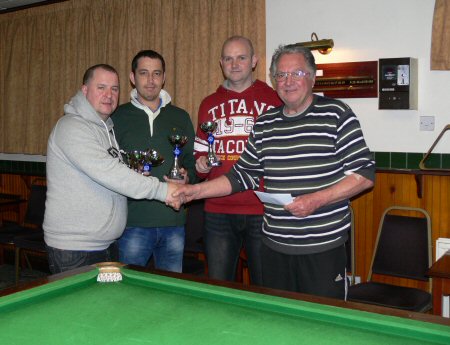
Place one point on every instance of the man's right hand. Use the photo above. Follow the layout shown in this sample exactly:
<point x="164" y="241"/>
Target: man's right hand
<point x="201" y="165"/>
<point x="174" y="201"/>
<point x="218" y="187"/>
<point x="187" y="192"/>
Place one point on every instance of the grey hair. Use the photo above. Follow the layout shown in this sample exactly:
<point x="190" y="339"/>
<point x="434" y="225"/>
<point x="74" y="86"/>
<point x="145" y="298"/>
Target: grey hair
<point x="293" y="49"/>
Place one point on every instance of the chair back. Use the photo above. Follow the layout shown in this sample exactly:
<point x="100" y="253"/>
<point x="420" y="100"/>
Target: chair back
<point x="403" y="245"/>
<point x="36" y="205"/>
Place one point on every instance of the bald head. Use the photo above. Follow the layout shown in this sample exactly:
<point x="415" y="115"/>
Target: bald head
<point x="242" y="39"/>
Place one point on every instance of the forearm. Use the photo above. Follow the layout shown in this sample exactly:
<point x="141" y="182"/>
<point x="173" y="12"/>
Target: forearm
<point x="343" y="190"/>
<point x="218" y="187"/>
<point x="307" y="204"/>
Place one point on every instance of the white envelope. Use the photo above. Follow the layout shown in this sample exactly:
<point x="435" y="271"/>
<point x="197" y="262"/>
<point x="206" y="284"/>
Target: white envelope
<point x="275" y="198"/>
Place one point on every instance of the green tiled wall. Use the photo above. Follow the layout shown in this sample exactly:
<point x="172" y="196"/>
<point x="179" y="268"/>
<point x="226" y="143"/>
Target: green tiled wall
<point x="384" y="160"/>
<point x="407" y="160"/>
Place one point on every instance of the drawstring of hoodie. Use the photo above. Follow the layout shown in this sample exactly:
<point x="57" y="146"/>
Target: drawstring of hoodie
<point x="115" y="141"/>
<point x="117" y="144"/>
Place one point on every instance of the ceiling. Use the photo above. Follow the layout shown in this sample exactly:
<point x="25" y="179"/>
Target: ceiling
<point x="16" y="5"/>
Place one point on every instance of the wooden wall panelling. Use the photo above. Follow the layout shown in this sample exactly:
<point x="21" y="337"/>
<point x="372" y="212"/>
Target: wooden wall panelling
<point x="19" y="185"/>
<point x="363" y="224"/>
<point x="436" y="198"/>
<point x="432" y="193"/>
<point x="443" y="218"/>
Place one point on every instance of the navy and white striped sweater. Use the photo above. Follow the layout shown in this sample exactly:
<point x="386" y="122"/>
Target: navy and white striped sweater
<point x="299" y="155"/>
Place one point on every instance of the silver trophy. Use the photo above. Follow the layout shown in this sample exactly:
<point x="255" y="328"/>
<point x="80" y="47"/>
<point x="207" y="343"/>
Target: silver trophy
<point x="178" y="141"/>
<point x="143" y="161"/>
<point x="209" y="127"/>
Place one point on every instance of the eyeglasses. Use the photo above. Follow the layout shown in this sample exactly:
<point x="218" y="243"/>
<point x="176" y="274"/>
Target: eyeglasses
<point x="296" y="75"/>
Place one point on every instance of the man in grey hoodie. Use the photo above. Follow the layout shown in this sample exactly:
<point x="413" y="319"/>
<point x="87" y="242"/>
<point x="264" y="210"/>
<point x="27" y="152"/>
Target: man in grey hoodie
<point x="87" y="182"/>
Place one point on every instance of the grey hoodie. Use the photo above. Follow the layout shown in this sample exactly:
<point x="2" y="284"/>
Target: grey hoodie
<point x="86" y="207"/>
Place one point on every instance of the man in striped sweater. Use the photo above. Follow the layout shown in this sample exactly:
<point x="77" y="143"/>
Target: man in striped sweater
<point x="313" y="148"/>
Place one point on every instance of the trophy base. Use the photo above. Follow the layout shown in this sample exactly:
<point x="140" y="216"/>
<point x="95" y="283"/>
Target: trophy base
<point x="176" y="177"/>
<point x="174" y="174"/>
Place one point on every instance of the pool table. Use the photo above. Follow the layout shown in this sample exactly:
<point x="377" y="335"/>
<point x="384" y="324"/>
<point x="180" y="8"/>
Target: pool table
<point x="149" y="308"/>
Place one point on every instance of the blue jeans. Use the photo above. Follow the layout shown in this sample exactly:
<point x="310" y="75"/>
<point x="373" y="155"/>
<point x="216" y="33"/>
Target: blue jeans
<point x="166" y="244"/>
<point x="61" y="260"/>
<point x="225" y="234"/>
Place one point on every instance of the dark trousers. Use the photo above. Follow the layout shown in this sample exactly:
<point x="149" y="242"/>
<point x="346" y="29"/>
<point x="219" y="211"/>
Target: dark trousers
<point x="322" y="274"/>
<point x="61" y="260"/>
<point x="225" y="234"/>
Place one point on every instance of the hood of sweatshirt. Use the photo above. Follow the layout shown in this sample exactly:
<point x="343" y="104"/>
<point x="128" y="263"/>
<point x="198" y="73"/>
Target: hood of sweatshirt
<point x="80" y="106"/>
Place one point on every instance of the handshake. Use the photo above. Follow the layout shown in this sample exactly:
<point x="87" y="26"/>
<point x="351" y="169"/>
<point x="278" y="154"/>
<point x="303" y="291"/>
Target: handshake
<point x="179" y="194"/>
<point x="178" y="191"/>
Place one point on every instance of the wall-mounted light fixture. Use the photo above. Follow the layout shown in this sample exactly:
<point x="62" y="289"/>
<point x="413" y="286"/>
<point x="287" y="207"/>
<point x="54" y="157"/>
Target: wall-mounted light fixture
<point x="323" y="46"/>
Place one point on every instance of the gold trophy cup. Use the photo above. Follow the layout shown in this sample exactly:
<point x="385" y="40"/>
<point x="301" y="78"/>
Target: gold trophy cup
<point x="143" y="161"/>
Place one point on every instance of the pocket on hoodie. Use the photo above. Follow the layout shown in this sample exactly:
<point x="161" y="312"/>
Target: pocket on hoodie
<point x="112" y="222"/>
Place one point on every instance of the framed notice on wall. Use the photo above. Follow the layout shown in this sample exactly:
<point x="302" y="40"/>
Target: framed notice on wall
<point x="347" y="79"/>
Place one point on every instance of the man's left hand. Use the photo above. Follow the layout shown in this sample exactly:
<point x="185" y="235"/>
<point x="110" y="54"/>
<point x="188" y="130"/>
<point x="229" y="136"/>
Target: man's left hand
<point x="303" y="205"/>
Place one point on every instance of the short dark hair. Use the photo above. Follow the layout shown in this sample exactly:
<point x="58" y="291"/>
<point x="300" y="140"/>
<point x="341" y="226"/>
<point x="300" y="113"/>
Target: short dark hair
<point x="150" y="54"/>
<point x="293" y="49"/>
<point x="90" y="71"/>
